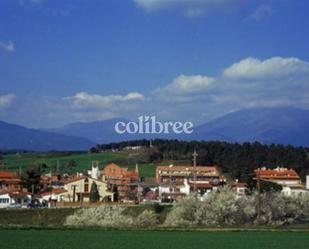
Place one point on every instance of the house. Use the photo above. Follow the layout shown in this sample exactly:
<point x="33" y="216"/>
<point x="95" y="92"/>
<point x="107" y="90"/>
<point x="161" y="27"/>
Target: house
<point x="10" y="181"/>
<point x="133" y="147"/>
<point x="176" y="181"/>
<point x="281" y="176"/>
<point x="78" y="190"/>
<point x="10" y="198"/>
<point x="287" y="178"/>
<point x="121" y="181"/>
<point x="55" y="195"/>
<point x="240" y="188"/>
<point x="52" y="180"/>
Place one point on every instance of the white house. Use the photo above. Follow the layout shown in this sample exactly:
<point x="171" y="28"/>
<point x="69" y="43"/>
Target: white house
<point x="56" y="195"/>
<point x="293" y="190"/>
<point x="14" y="199"/>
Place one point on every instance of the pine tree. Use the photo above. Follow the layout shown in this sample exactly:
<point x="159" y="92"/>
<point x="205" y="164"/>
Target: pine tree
<point x="94" y="193"/>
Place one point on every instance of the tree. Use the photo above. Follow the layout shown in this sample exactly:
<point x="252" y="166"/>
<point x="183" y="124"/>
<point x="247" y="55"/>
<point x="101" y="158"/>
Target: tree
<point x="1" y="158"/>
<point x="115" y="192"/>
<point x="71" y="166"/>
<point x="94" y="193"/>
<point x="267" y="186"/>
<point x="32" y="178"/>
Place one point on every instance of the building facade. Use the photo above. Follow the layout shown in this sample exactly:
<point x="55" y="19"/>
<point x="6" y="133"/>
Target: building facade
<point x="121" y="181"/>
<point x="10" y="181"/>
<point x="287" y="178"/>
<point x="78" y="190"/>
<point x="177" y="181"/>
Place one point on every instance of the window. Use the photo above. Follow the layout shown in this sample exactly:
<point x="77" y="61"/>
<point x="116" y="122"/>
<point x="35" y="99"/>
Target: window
<point x="4" y="200"/>
<point x="86" y="187"/>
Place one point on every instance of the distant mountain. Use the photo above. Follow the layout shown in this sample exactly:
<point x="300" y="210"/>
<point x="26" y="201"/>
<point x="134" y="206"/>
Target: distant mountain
<point x="283" y="125"/>
<point x="104" y="131"/>
<point x="18" y="137"/>
<point x="98" y="131"/>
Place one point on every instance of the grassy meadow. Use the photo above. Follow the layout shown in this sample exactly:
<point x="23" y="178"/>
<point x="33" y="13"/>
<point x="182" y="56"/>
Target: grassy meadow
<point x="15" y="162"/>
<point x="81" y="239"/>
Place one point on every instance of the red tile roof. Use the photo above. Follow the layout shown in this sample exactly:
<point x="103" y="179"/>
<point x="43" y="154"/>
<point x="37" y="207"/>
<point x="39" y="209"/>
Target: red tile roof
<point x="7" y="174"/>
<point x="15" y="193"/>
<point x="55" y="191"/>
<point x="279" y="173"/>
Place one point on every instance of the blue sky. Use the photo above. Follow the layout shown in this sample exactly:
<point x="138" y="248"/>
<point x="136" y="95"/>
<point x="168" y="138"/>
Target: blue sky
<point x="64" y="61"/>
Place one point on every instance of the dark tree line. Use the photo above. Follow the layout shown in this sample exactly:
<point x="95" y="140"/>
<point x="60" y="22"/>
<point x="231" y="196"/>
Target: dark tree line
<point x="239" y="160"/>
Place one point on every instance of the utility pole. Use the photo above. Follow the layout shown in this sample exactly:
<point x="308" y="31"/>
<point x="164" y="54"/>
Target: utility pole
<point x="50" y="187"/>
<point x="259" y="199"/>
<point x="194" y="168"/>
<point x="74" y="192"/>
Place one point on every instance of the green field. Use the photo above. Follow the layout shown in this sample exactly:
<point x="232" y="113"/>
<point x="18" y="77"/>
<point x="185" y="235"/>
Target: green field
<point x="92" y="239"/>
<point x="83" y="160"/>
<point x="15" y="162"/>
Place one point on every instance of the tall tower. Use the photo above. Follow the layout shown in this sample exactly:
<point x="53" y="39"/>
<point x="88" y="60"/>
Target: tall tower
<point x="95" y="171"/>
<point x="136" y="168"/>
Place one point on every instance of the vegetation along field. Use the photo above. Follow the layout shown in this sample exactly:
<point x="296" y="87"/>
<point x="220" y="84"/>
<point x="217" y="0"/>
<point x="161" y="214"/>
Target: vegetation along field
<point x="75" y="239"/>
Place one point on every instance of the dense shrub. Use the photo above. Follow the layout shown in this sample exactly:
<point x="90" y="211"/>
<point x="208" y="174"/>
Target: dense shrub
<point x="147" y="218"/>
<point x="112" y="217"/>
<point x="278" y="209"/>
<point x="105" y="216"/>
<point x="224" y="207"/>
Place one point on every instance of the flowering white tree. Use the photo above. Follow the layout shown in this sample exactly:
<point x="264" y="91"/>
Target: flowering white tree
<point x="224" y="207"/>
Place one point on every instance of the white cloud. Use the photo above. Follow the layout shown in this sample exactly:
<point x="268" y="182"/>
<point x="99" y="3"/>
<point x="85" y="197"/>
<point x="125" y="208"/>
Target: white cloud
<point x="85" y="100"/>
<point x="263" y="11"/>
<point x="275" y="67"/>
<point x="250" y="82"/>
<point x="7" y="46"/>
<point x="6" y="100"/>
<point x="189" y="7"/>
<point x="184" y="85"/>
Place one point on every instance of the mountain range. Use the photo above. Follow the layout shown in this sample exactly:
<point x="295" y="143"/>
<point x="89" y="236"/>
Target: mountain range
<point x="21" y="138"/>
<point x="287" y="126"/>
<point x="284" y="125"/>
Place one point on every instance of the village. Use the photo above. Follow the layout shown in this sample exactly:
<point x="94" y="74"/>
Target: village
<point x="112" y="184"/>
